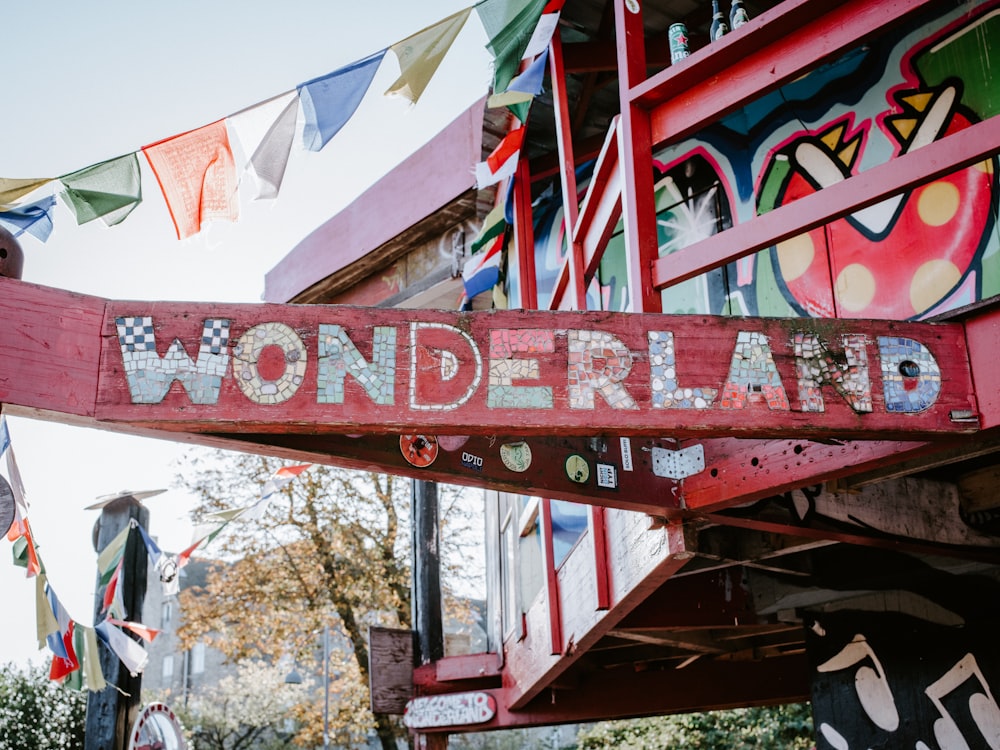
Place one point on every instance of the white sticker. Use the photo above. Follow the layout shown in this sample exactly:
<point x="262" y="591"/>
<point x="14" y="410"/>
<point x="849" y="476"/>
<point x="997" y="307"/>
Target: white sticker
<point x="626" y="445"/>
<point x="607" y="476"/>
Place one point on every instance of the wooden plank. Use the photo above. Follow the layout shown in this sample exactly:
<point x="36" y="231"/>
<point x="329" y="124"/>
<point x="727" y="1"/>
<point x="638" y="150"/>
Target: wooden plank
<point x="391" y="662"/>
<point x="311" y="370"/>
<point x="50" y="344"/>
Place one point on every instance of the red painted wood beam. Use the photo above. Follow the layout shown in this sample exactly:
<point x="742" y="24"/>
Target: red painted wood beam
<point x="775" y="48"/>
<point x="625" y="692"/>
<point x="567" y="174"/>
<point x="742" y="471"/>
<point x="551" y="577"/>
<point x="989" y="555"/>
<point x="635" y="149"/>
<point x="954" y="152"/>
<point x="50" y="348"/>
<point x="982" y="331"/>
<point x="602" y="205"/>
<point x="524" y="235"/>
<point x="602" y="569"/>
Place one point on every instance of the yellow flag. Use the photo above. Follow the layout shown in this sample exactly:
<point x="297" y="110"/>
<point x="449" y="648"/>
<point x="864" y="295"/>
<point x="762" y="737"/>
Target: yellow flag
<point x="92" y="660"/>
<point x="12" y="189"/>
<point x="110" y="555"/>
<point x="45" y="620"/>
<point x="420" y="55"/>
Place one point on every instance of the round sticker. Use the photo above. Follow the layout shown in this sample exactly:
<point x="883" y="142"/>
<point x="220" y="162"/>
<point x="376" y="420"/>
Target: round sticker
<point x="632" y="6"/>
<point x="157" y="727"/>
<point x="577" y="469"/>
<point x="516" y="456"/>
<point x="419" y="450"/>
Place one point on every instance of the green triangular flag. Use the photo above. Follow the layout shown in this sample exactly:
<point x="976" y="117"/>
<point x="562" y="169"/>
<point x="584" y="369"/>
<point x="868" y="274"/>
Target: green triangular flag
<point x="109" y="190"/>
<point x="509" y="25"/>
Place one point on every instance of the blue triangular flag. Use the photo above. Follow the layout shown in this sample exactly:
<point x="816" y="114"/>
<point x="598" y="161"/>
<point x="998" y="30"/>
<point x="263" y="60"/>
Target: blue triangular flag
<point x="330" y="101"/>
<point x="33" y="219"/>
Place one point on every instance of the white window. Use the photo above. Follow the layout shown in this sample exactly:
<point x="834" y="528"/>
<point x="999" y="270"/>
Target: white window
<point x="198" y="658"/>
<point x="166" y="614"/>
<point x="168" y="669"/>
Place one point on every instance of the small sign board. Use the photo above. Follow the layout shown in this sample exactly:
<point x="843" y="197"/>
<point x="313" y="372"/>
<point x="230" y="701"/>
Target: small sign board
<point x="453" y="710"/>
<point x="390" y="655"/>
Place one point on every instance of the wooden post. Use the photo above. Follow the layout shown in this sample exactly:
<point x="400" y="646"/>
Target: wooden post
<point x="426" y="572"/>
<point x="112" y="712"/>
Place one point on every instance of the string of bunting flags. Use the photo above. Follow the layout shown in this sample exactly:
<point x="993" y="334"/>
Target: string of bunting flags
<point x="197" y="172"/>
<point x="73" y="645"/>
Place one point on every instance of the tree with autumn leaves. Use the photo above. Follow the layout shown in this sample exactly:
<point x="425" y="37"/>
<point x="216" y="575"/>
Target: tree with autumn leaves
<point x="330" y="549"/>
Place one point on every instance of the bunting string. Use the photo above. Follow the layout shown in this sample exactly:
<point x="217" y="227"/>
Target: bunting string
<point x="196" y="171"/>
<point x="74" y="648"/>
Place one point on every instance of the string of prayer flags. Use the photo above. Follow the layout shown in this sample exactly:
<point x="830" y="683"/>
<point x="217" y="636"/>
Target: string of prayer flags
<point x="25" y="554"/>
<point x="275" y="482"/>
<point x="420" y="54"/>
<point x="57" y="639"/>
<point x="17" y="527"/>
<point x="63" y="666"/>
<point x="482" y="272"/>
<point x="145" y="632"/>
<point x="271" y="126"/>
<point x="109" y="557"/>
<point x="493" y="226"/>
<point x="542" y="35"/>
<point x="525" y="87"/>
<point x="34" y="218"/>
<point x="502" y="161"/>
<point x="197" y="174"/>
<point x="109" y="191"/>
<point x="13" y="189"/>
<point x="510" y="25"/>
<point x="45" y="621"/>
<point x="329" y="102"/>
<point x="130" y="652"/>
<point x="91" y="661"/>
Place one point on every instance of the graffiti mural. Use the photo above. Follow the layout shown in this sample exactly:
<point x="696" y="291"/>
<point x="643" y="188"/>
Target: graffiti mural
<point x="892" y="680"/>
<point x="915" y="255"/>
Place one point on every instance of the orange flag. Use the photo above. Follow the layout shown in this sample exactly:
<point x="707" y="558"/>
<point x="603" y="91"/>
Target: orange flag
<point x="197" y="174"/>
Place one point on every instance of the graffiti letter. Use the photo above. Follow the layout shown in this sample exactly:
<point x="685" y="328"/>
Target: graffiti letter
<point x="339" y="357"/>
<point x="149" y="376"/>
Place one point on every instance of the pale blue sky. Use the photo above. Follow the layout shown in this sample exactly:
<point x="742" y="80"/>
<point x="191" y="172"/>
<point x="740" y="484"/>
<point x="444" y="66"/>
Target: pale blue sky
<point x="89" y="82"/>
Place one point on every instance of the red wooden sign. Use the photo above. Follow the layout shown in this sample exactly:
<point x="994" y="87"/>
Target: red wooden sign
<point x="329" y="369"/>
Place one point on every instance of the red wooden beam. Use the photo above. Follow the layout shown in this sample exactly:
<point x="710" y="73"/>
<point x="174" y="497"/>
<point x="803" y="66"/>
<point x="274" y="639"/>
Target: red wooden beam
<point x="743" y="471"/>
<point x="567" y="173"/>
<point x="602" y="206"/>
<point x="956" y="151"/>
<point x="635" y="149"/>
<point x="551" y="578"/>
<point x="524" y="234"/>
<point x="775" y="48"/>
<point x="624" y="692"/>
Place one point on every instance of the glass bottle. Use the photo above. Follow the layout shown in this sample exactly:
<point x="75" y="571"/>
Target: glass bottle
<point x="737" y="14"/>
<point x="719" y="26"/>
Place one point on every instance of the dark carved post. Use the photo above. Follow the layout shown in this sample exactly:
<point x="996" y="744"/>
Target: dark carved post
<point x="427" y="572"/>
<point x="112" y="712"/>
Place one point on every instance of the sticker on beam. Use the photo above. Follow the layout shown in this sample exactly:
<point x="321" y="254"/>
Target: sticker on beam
<point x="678" y="464"/>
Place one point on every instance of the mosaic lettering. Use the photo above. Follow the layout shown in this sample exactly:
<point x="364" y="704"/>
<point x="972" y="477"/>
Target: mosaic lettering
<point x="339" y="357"/>
<point x="150" y="376"/>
